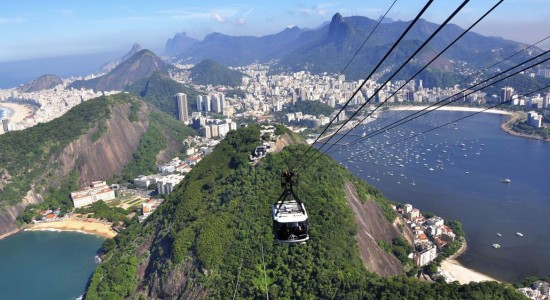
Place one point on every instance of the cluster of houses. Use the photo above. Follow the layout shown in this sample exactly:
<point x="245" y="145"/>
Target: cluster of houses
<point x="47" y="216"/>
<point x="539" y="290"/>
<point x="430" y="235"/>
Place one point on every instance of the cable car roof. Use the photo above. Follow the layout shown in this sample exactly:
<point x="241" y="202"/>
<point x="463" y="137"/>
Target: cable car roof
<point x="289" y="212"/>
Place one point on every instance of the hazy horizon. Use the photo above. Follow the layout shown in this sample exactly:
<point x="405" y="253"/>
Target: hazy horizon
<point x="35" y="29"/>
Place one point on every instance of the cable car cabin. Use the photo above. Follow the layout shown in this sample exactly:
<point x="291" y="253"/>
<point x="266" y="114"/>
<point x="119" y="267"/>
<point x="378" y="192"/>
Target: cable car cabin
<point x="290" y="221"/>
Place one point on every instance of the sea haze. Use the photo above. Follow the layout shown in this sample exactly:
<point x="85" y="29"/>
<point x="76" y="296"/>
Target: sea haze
<point x="46" y="265"/>
<point x="457" y="173"/>
<point x="15" y="73"/>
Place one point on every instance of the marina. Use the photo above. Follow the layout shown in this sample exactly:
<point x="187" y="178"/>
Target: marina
<point x="457" y="174"/>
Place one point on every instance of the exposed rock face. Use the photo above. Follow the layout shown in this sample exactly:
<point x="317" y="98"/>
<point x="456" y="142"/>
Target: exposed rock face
<point x="99" y="160"/>
<point x="107" y="156"/>
<point x="43" y="82"/>
<point x="9" y="213"/>
<point x="373" y="227"/>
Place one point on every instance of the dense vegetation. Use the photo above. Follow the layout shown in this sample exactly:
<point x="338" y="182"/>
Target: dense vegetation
<point x="27" y="154"/>
<point x="210" y="72"/>
<point x="161" y="130"/>
<point x="100" y="210"/>
<point x="54" y="198"/>
<point x="159" y="90"/>
<point x="524" y="128"/>
<point x="215" y="230"/>
<point x="315" y="108"/>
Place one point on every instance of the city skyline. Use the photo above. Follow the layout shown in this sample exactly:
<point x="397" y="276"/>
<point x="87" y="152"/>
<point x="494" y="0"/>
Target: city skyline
<point x="35" y="29"/>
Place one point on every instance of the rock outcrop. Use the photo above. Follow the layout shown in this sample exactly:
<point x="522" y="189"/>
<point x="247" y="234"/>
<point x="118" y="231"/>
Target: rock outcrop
<point x="373" y="226"/>
<point x="93" y="160"/>
<point x="44" y="82"/>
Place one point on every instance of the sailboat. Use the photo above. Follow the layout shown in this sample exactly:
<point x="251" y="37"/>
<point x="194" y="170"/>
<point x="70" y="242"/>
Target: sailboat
<point x="412" y="183"/>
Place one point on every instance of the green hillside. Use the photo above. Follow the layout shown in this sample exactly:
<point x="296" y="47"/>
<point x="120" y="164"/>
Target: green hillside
<point x="210" y="72"/>
<point x="159" y="90"/>
<point x="26" y="154"/>
<point x="215" y="231"/>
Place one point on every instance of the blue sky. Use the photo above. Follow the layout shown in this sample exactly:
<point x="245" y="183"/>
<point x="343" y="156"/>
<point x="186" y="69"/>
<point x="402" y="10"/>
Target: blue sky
<point x="40" y="28"/>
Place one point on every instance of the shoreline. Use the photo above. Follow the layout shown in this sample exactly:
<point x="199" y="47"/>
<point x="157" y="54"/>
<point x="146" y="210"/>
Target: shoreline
<point x="74" y="224"/>
<point x="18" y="111"/>
<point x="451" y="108"/>
<point x="456" y="271"/>
<point x="505" y="126"/>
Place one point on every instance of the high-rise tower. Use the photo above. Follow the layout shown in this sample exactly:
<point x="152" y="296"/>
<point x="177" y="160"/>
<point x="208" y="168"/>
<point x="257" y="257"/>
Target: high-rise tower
<point x="183" y="114"/>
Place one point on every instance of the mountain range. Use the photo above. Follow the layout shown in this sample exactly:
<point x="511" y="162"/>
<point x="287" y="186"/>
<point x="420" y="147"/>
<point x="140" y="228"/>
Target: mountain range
<point x="329" y="47"/>
<point x="141" y="64"/>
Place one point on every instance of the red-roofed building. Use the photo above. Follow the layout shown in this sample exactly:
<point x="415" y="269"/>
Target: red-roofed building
<point x="50" y="217"/>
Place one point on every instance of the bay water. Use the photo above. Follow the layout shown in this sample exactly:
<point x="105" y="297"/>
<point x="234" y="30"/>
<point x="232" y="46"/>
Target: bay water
<point x="47" y="265"/>
<point x="457" y="172"/>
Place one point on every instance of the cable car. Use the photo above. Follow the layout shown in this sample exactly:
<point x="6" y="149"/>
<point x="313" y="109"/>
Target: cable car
<point x="289" y="214"/>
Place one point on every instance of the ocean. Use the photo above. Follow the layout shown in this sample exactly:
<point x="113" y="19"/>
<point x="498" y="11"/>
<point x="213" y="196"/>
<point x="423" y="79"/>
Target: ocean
<point x="15" y="73"/>
<point x="47" y="265"/>
<point x="456" y="172"/>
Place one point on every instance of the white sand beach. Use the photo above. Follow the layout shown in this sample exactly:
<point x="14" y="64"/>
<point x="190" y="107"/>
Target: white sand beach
<point x="463" y="274"/>
<point x="20" y="112"/>
<point x="73" y="223"/>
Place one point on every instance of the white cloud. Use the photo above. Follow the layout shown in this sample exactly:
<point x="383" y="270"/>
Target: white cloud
<point x="185" y="15"/>
<point x="319" y="9"/>
<point x="218" y="18"/>
<point x="239" y="21"/>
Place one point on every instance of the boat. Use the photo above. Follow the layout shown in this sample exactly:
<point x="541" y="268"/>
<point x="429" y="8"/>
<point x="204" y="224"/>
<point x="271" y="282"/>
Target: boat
<point x="496" y="246"/>
<point x="519" y="234"/>
<point x="506" y="180"/>
<point x="498" y="234"/>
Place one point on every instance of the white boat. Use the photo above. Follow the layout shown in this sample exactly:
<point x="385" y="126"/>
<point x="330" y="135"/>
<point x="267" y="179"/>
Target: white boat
<point x="498" y="234"/>
<point x="506" y="180"/>
<point x="496" y="246"/>
<point x="519" y="234"/>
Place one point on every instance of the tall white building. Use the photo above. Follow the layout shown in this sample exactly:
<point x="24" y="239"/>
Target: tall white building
<point x="183" y="113"/>
<point x="425" y="256"/>
<point x="216" y="105"/>
<point x="207" y="103"/>
<point x="199" y="103"/>
<point x="223" y="104"/>
<point x="166" y="184"/>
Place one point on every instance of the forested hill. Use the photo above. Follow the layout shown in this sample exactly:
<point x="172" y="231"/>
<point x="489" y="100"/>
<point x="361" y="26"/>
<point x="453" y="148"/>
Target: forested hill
<point x="159" y="90"/>
<point x="109" y="137"/>
<point x="214" y="231"/>
<point x="210" y="72"/>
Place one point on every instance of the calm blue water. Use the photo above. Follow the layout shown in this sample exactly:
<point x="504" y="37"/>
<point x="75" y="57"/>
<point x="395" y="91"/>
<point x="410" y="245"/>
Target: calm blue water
<point x="456" y="173"/>
<point x="46" y="265"/>
<point x="15" y="73"/>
